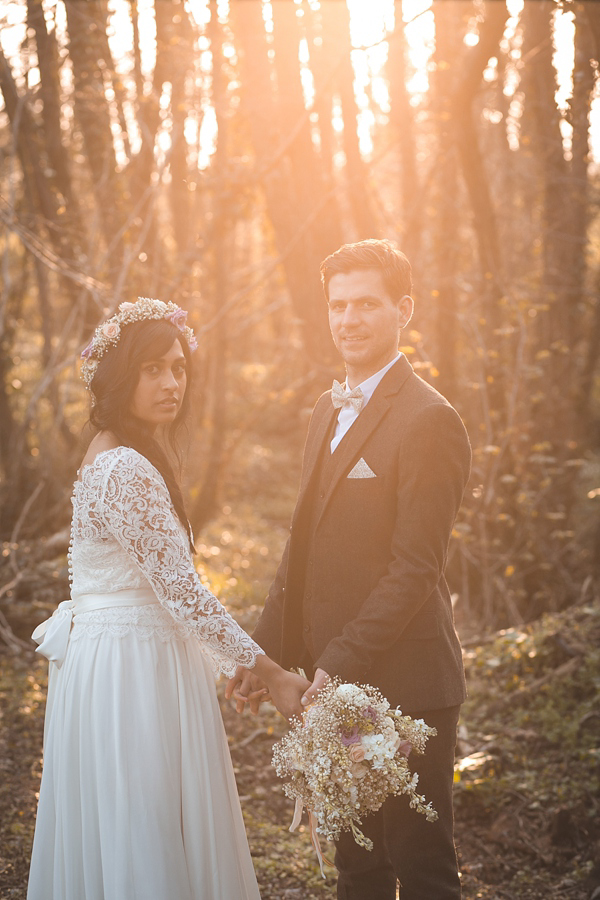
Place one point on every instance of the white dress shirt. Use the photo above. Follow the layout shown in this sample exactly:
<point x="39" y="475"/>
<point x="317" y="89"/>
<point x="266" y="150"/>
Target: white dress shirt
<point x="347" y="415"/>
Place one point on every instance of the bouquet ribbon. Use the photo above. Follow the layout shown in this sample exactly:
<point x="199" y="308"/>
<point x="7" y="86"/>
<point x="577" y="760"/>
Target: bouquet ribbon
<point x="313" y="833"/>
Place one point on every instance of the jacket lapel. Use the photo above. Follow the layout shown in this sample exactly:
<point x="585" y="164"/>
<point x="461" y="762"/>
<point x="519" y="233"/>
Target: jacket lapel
<point x="347" y="450"/>
<point x="318" y="434"/>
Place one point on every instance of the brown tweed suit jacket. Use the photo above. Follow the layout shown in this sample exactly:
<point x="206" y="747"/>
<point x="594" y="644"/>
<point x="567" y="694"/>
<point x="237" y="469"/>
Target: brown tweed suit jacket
<point x="379" y="610"/>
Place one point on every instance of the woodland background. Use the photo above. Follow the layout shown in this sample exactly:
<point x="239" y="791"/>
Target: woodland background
<point x="218" y="161"/>
<point x="213" y="153"/>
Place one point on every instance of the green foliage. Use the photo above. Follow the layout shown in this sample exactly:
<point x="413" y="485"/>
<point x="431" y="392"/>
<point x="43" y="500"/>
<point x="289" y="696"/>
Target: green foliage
<point x="529" y="776"/>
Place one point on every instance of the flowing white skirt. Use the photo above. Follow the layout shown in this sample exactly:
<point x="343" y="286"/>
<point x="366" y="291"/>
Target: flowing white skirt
<point x="138" y="799"/>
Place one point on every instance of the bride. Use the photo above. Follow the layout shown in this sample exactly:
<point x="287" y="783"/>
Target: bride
<point x="138" y="799"/>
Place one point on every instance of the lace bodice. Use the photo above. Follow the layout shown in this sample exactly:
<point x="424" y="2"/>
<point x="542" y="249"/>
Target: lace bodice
<point x="125" y="534"/>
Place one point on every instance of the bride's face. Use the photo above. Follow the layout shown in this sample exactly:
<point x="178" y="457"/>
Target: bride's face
<point x="161" y="387"/>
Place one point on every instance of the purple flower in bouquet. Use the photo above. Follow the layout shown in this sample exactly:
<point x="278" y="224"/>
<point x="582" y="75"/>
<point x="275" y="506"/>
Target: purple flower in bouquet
<point x="404" y="747"/>
<point x="370" y="714"/>
<point x="350" y="737"/>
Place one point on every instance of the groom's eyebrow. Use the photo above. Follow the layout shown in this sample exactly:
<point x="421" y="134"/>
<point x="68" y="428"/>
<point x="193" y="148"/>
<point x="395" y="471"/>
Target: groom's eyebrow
<point x="361" y="299"/>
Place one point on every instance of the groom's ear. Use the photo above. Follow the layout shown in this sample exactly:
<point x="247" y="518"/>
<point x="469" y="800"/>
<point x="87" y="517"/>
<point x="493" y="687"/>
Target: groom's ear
<point x="406" y="308"/>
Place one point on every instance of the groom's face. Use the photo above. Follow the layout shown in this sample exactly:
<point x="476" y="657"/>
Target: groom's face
<point x="364" y="321"/>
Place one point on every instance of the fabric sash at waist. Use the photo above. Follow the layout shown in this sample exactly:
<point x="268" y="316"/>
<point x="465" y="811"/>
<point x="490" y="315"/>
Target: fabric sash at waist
<point x="52" y="635"/>
<point x="128" y="597"/>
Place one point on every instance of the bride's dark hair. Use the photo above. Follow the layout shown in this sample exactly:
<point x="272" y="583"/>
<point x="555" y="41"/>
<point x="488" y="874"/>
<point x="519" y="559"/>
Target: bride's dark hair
<point x="113" y="386"/>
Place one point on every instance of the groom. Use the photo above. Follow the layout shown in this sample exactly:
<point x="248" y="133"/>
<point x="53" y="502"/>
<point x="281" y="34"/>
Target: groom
<point x="360" y="592"/>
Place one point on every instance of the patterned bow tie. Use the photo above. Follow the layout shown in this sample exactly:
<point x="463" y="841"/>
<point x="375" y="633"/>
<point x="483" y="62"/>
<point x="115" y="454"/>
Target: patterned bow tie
<point x="341" y="397"/>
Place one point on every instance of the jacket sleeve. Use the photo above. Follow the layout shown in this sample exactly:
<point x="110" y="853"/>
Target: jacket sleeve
<point x="269" y="628"/>
<point x="135" y="507"/>
<point x="433" y="466"/>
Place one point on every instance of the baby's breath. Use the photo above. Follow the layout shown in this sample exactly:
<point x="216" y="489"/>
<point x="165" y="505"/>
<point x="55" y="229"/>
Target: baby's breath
<point x="347" y="755"/>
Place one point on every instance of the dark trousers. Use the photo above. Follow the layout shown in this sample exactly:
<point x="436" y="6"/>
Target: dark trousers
<point x="406" y="847"/>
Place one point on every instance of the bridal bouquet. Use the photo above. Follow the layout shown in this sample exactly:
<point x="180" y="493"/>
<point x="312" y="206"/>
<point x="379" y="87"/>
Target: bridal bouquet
<point x="346" y="756"/>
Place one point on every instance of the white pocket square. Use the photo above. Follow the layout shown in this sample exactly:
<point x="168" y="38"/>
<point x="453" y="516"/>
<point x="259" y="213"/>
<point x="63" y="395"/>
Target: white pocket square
<point x="362" y="470"/>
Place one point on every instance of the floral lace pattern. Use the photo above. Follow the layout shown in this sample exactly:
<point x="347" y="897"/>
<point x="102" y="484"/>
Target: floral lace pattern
<point x="125" y="534"/>
<point x="145" y="622"/>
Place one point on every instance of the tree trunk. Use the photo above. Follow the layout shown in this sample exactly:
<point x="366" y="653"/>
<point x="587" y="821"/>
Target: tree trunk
<point x="411" y="198"/>
<point x="337" y="49"/>
<point x="85" y="21"/>
<point x="47" y="54"/>
<point x="445" y="201"/>
<point x="293" y="226"/>
<point x="477" y="181"/>
<point x="218" y="369"/>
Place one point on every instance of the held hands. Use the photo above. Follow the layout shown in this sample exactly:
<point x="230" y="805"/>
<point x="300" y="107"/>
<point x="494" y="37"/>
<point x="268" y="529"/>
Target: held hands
<point x="247" y="689"/>
<point x="267" y="681"/>
<point x="286" y="689"/>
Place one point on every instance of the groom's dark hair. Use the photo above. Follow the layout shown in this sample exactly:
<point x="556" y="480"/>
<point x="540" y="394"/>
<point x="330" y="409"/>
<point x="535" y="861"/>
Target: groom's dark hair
<point x="370" y="254"/>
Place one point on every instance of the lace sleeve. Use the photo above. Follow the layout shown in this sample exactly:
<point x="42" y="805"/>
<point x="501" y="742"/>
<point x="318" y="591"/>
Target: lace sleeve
<point x="135" y="506"/>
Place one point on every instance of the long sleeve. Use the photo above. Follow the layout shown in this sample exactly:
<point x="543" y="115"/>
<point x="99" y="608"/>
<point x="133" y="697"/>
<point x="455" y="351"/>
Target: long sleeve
<point x="134" y="507"/>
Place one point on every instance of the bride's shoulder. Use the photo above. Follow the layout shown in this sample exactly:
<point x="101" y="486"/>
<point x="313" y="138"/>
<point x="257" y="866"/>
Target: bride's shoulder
<point x="106" y="457"/>
<point x="100" y="444"/>
<point x="105" y="450"/>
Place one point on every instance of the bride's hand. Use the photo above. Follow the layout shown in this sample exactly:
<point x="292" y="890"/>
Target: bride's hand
<point x="286" y="690"/>
<point x="247" y="689"/>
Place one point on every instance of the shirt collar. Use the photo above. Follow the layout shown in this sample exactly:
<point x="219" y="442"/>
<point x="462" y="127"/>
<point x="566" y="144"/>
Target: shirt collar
<point x="369" y="384"/>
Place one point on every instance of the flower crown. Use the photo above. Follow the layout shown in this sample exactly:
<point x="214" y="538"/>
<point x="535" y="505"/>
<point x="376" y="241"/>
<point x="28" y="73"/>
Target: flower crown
<point x="108" y="334"/>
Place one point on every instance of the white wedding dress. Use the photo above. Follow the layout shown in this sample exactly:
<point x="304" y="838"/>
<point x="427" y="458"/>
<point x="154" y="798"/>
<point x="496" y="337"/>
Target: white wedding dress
<point x="138" y="799"/>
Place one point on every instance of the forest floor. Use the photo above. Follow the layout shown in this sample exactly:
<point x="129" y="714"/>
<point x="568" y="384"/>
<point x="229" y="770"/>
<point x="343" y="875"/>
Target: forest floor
<point x="527" y="782"/>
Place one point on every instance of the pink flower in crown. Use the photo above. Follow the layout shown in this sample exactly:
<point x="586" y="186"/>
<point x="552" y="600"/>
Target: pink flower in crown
<point x="192" y="343"/>
<point x="177" y="317"/>
<point x="111" y="329"/>
<point x="88" y="350"/>
<point x="126" y="305"/>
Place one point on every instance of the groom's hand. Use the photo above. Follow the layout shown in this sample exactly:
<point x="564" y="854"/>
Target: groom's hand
<point x="247" y="689"/>
<point x="320" y="680"/>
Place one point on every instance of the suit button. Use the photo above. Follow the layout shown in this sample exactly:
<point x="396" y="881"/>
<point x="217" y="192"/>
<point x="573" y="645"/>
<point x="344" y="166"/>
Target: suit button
<point x="307" y="628"/>
<point x="321" y="495"/>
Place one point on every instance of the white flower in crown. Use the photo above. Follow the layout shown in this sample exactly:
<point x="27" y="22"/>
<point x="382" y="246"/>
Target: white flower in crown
<point x="108" y="333"/>
<point x="111" y="330"/>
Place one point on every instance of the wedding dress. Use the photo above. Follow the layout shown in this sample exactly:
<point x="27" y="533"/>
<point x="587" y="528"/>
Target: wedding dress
<point x="138" y="799"/>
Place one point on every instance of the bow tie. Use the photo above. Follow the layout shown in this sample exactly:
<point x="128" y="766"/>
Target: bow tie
<point x="341" y="397"/>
